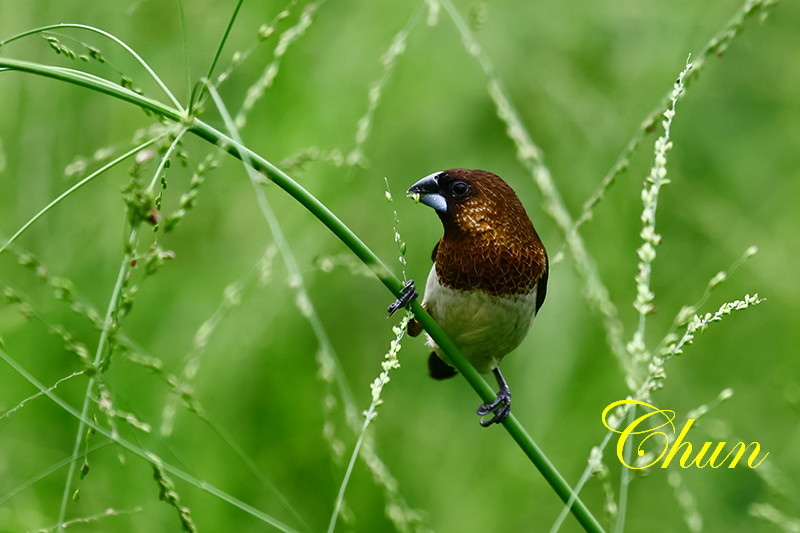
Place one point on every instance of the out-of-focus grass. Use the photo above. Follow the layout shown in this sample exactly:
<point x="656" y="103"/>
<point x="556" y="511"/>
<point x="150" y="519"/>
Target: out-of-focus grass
<point x="583" y="79"/>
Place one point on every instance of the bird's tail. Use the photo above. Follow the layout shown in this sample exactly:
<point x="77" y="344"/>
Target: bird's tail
<point x="438" y="369"/>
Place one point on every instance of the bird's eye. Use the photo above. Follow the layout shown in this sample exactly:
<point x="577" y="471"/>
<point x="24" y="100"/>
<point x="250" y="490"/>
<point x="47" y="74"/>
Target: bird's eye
<point x="460" y="189"/>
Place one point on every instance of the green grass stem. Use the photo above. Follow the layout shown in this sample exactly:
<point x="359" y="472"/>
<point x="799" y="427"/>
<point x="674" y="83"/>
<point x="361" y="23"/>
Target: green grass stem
<point x="107" y="35"/>
<point x="343" y="233"/>
<point x="141" y="452"/>
<point x="77" y="186"/>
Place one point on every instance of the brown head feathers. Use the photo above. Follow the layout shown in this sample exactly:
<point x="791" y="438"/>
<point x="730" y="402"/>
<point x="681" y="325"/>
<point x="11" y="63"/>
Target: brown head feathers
<point x="489" y="242"/>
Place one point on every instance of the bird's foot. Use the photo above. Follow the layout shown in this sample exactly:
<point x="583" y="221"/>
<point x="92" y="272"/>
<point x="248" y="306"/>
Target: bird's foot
<point x="500" y="407"/>
<point x="407" y="294"/>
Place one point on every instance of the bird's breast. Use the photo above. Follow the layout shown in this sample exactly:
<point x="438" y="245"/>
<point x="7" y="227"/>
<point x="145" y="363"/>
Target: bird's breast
<point x="502" y="263"/>
<point x="483" y="325"/>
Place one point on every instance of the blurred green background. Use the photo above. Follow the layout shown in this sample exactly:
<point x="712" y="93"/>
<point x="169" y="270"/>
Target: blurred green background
<point x="583" y="77"/>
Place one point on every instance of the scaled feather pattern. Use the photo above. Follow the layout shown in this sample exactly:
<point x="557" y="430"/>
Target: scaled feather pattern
<point x="489" y="276"/>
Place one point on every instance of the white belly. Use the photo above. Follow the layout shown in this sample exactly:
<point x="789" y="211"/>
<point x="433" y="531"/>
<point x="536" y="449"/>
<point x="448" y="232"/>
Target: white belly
<point x="484" y="326"/>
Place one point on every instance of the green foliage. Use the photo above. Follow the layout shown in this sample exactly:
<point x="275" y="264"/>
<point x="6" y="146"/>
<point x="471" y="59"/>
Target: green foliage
<point x="235" y="332"/>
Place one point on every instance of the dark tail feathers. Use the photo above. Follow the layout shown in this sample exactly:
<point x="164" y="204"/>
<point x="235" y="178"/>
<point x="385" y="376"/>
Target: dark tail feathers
<point x="438" y="369"/>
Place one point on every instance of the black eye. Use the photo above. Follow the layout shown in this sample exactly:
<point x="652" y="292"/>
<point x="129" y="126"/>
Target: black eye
<point x="460" y="189"/>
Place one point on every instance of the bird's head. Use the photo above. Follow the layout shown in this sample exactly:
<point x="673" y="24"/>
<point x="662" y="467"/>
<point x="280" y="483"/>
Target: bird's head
<point x="472" y="201"/>
<point x="489" y="243"/>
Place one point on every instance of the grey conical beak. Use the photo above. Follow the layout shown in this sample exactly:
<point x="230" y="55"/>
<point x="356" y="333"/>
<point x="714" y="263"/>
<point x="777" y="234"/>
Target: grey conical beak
<point x="427" y="191"/>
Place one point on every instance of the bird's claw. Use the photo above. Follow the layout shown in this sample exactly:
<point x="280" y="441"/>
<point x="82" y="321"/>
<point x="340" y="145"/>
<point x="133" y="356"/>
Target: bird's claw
<point x="501" y="407"/>
<point x="407" y="294"/>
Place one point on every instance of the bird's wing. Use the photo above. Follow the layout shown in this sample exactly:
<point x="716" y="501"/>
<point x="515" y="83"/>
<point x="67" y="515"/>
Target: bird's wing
<point x="541" y="286"/>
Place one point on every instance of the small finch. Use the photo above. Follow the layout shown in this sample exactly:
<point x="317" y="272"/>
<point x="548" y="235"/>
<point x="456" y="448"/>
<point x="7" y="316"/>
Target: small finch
<point x="489" y="276"/>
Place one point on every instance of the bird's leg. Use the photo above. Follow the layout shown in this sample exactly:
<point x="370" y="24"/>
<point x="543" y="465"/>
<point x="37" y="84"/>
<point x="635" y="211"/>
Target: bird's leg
<point x="501" y="406"/>
<point x="407" y="294"/>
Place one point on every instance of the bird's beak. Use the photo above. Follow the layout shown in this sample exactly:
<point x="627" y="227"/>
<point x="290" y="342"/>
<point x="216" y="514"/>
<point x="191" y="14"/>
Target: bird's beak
<point x="427" y="191"/>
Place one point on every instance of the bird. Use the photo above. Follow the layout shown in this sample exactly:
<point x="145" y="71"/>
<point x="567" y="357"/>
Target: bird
<point x="488" y="279"/>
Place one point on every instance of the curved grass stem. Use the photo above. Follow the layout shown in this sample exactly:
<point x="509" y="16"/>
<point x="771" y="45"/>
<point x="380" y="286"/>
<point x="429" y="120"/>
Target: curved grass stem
<point x="109" y="36"/>
<point x="343" y="233"/>
<point x="77" y="186"/>
<point x="109" y="324"/>
<point x="139" y="451"/>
